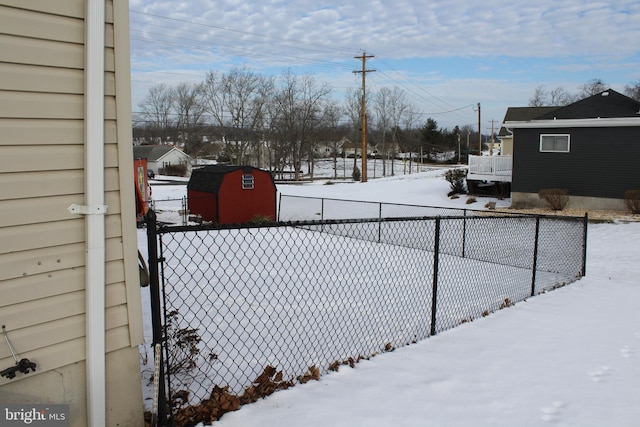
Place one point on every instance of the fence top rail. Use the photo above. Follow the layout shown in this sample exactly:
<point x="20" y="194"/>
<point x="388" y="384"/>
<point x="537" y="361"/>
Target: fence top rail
<point x="379" y="203"/>
<point x="267" y="224"/>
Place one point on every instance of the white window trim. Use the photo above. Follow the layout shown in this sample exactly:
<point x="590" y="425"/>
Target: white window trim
<point x="248" y="181"/>
<point x="556" y="134"/>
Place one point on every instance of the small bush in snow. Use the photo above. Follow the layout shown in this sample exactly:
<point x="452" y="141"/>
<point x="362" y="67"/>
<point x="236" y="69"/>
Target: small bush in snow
<point x="456" y="178"/>
<point x="184" y="351"/>
<point x="261" y="219"/>
<point x="356" y="174"/>
<point x="632" y="200"/>
<point x="556" y="198"/>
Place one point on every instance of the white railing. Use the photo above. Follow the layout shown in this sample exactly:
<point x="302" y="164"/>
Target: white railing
<point x="490" y="168"/>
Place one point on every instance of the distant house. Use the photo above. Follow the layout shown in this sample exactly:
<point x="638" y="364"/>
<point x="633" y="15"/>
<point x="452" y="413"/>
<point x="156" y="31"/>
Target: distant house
<point x="160" y="156"/>
<point x="354" y="148"/>
<point x="590" y="147"/>
<point x="231" y="194"/>
<point x="517" y="114"/>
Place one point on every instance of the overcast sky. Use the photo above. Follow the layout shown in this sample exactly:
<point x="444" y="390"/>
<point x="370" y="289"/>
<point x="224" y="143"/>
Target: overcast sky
<point x="447" y="55"/>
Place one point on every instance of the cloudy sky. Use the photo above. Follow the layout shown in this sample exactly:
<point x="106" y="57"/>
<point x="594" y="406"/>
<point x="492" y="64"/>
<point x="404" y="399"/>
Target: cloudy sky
<point x="447" y="55"/>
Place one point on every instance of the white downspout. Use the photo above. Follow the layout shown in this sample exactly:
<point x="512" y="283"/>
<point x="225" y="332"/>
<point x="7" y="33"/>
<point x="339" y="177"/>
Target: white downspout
<point x="95" y="218"/>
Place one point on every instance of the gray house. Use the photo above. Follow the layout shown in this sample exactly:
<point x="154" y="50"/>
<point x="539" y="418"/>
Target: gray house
<point x="590" y="147"/>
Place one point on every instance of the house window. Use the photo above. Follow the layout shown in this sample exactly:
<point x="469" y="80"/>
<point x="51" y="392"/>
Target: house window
<point x="247" y="182"/>
<point x="554" y="143"/>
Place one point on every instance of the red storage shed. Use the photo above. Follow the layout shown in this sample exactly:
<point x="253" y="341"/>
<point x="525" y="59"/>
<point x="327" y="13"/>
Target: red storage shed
<point x="231" y="194"/>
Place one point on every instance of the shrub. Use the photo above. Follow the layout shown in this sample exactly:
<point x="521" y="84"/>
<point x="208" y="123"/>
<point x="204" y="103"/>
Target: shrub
<point x="261" y="219"/>
<point x="356" y="174"/>
<point x="175" y="170"/>
<point x="632" y="200"/>
<point x="556" y="198"/>
<point x="456" y="178"/>
<point x="184" y="351"/>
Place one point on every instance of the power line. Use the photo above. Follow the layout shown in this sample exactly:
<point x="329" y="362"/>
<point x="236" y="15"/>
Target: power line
<point x="296" y="51"/>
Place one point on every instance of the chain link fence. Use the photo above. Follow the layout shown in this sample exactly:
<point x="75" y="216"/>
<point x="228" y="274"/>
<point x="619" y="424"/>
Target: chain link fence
<point x="304" y="208"/>
<point x="301" y="298"/>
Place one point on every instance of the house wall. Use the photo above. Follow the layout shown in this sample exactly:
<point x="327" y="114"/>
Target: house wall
<point x="237" y="205"/>
<point x="173" y="157"/>
<point x="506" y="146"/>
<point x="601" y="165"/>
<point x="42" y="250"/>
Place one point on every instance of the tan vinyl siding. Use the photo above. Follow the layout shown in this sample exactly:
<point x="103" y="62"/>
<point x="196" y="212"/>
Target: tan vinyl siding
<point x="42" y="132"/>
<point x="63" y="281"/>
<point x="39" y="25"/>
<point x="28" y="105"/>
<point x="42" y="248"/>
<point x="28" y="78"/>
<point x="48" y="53"/>
<point x="70" y="8"/>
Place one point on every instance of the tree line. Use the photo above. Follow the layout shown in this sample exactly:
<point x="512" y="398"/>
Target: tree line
<point x="281" y="122"/>
<point x="559" y="96"/>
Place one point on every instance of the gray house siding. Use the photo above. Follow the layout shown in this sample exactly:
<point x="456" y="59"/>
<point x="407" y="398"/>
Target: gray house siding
<point x="602" y="162"/>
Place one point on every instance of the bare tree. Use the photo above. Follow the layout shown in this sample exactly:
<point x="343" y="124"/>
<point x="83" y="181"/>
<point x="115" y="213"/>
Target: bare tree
<point x="330" y="122"/>
<point x="399" y="108"/>
<point x="353" y="111"/>
<point x="300" y="102"/>
<point x="592" y="87"/>
<point x="236" y="102"/>
<point x="633" y="90"/>
<point x="411" y="140"/>
<point x="247" y="94"/>
<point x="539" y="98"/>
<point x="559" y="96"/>
<point x="189" y="107"/>
<point x="555" y="97"/>
<point x="382" y="108"/>
<point x="156" y="112"/>
<point x="214" y="99"/>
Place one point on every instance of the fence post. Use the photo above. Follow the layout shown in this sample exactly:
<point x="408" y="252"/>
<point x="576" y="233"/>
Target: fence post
<point x="279" y="207"/>
<point x="464" y="232"/>
<point x="156" y="318"/>
<point x="322" y="209"/>
<point x="584" y="245"/>
<point x="535" y="257"/>
<point x="379" y="222"/>
<point x="434" y="287"/>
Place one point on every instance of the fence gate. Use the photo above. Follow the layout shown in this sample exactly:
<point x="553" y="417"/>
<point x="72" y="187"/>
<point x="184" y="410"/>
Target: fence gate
<point x="242" y="311"/>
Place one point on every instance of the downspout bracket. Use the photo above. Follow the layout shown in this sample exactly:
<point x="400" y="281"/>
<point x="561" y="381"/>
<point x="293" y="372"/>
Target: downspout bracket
<point x="88" y="210"/>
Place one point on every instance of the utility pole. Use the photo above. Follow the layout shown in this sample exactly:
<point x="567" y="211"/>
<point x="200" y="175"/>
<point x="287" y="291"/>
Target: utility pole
<point x="364" y="71"/>
<point x="492" y="140"/>
<point x="479" y="133"/>
<point x="468" y="146"/>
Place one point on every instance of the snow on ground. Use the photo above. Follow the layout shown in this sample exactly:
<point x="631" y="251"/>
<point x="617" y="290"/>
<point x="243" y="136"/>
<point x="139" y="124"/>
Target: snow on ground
<point x="567" y="358"/>
<point x="570" y="357"/>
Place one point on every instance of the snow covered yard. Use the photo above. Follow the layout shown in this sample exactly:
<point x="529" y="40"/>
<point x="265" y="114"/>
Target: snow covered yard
<point x="567" y="358"/>
<point x="570" y="357"/>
